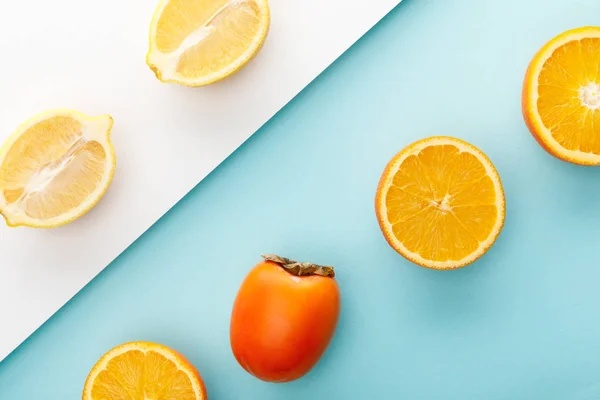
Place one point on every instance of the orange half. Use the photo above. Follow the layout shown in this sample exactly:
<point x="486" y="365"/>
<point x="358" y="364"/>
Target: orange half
<point x="440" y="203"/>
<point x="561" y="96"/>
<point x="142" y="371"/>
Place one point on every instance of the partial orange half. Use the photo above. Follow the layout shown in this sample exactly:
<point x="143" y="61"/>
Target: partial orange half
<point x="143" y="371"/>
<point x="440" y="203"/>
<point x="561" y="96"/>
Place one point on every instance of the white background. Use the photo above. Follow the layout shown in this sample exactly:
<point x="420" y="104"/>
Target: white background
<point x="90" y="56"/>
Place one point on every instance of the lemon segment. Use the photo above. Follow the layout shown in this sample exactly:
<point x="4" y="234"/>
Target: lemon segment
<point x="198" y="42"/>
<point x="55" y="168"/>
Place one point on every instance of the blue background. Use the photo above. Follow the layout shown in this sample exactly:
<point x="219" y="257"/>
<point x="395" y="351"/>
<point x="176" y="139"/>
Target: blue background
<point x="522" y="323"/>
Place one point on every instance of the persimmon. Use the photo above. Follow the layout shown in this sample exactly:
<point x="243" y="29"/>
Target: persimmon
<point x="284" y="317"/>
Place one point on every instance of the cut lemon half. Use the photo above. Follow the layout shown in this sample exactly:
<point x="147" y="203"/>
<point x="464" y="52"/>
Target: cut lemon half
<point x="198" y="42"/>
<point x="440" y="203"/>
<point x="143" y="371"/>
<point x="561" y="96"/>
<point x="55" y="168"/>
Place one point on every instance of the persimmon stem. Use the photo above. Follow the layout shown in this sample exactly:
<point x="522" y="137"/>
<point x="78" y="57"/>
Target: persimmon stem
<point x="300" y="269"/>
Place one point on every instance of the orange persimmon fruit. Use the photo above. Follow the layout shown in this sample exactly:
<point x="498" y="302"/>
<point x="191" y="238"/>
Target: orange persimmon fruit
<point x="284" y="317"/>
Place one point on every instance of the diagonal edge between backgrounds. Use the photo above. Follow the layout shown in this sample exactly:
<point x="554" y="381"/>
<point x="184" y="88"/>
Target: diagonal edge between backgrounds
<point x="5" y="355"/>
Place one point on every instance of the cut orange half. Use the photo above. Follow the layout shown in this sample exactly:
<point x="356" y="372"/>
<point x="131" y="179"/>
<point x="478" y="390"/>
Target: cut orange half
<point x="198" y="42"/>
<point x="440" y="203"/>
<point x="561" y="96"/>
<point x="55" y="168"/>
<point x="143" y="371"/>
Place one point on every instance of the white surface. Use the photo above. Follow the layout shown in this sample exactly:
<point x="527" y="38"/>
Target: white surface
<point x="90" y="56"/>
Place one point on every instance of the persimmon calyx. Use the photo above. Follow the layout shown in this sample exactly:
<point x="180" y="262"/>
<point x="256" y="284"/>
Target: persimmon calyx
<point x="300" y="269"/>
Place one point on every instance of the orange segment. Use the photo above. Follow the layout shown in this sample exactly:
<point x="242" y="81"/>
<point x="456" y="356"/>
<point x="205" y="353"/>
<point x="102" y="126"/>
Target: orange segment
<point x="561" y="96"/>
<point x="440" y="203"/>
<point x="142" y="371"/>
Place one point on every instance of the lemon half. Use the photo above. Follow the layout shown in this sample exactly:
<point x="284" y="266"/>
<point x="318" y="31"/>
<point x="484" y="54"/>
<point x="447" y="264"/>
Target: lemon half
<point x="55" y="168"/>
<point x="198" y="42"/>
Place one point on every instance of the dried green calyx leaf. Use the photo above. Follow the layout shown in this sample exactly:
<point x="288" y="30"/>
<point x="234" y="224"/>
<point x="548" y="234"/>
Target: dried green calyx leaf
<point x="300" y="269"/>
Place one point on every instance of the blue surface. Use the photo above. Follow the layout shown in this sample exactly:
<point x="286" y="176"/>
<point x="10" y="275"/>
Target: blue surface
<point x="522" y="323"/>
